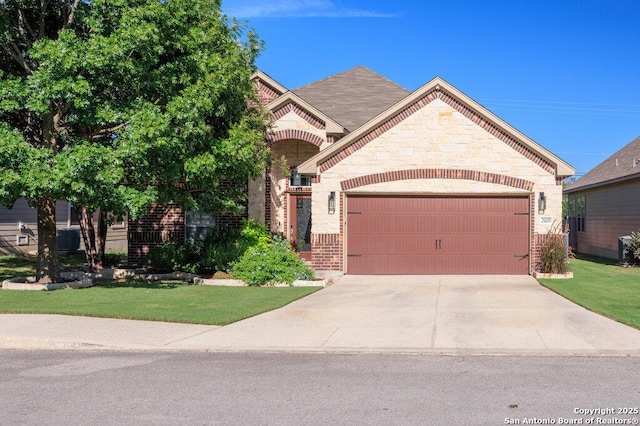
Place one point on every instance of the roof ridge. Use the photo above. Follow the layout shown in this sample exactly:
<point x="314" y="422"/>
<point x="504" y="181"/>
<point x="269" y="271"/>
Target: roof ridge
<point x="364" y="68"/>
<point x="605" y="166"/>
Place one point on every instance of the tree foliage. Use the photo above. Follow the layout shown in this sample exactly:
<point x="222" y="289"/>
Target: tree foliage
<point x="115" y="104"/>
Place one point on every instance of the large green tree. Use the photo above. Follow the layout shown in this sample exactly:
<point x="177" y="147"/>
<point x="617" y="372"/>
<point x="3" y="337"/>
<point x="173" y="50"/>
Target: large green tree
<point x="115" y="104"/>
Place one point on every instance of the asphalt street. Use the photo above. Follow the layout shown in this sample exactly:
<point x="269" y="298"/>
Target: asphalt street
<point x="168" y="388"/>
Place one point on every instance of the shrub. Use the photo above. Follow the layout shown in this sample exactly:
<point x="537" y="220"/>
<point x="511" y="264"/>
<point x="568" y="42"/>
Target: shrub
<point x="216" y="252"/>
<point x="171" y="257"/>
<point x="225" y="245"/>
<point x="114" y="259"/>
<point x="634" y="246"/>
<point x="270" y="264"/>
<point x="553" y="254"/>
<point x="163" y="258"/>
<point x="253" y="234"/>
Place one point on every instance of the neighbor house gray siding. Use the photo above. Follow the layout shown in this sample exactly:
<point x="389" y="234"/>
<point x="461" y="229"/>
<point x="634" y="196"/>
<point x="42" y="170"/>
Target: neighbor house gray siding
<point x="21" y="212"/>
<point x="611" y="211"/>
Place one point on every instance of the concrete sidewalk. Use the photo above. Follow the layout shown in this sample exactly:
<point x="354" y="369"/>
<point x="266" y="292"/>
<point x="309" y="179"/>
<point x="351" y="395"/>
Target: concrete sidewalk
<point x="494" y="315"/>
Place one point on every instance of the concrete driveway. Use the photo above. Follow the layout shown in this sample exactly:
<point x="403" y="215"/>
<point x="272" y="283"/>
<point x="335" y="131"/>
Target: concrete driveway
<point x="439" y="314"/>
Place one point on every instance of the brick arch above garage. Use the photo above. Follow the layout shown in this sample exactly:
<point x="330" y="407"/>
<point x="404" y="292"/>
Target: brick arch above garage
<point x="293" y="134"/>
<point x="441" y="173"/>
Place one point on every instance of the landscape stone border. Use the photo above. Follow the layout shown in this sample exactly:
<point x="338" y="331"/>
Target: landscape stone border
<point x="29" y="283"/>
<point x="79" y="279"/>
<point x="545" y="275"/>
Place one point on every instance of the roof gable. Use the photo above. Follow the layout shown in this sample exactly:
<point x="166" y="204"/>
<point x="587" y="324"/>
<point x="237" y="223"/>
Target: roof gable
<point x="436" y="89"/>
<point x="266" y="87"/>
<point x="352" y="97"/>
<point x="622" y="165"/>
<point x="291" y="102"/>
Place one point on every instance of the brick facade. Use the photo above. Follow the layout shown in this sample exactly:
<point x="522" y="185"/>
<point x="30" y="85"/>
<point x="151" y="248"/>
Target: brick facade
<point x="326" y="252"/>
<point x="163" y="223"/>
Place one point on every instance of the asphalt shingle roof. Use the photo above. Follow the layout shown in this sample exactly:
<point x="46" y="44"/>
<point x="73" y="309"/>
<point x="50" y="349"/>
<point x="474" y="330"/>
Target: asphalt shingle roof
<point x="353" y="97"/>
<point x="622" y="164"/>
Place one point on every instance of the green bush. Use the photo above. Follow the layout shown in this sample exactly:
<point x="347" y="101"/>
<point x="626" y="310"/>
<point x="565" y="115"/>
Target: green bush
<point x="171" y="257"/>
<point x="225" y="245"/>
<point x="220" y="248"/>
<point x="634" y="247"/>
<point x="114" y="259"/>
<point x="553" y="255"/>
<point x="270" y="264"/>
<point x="164" y="258"/>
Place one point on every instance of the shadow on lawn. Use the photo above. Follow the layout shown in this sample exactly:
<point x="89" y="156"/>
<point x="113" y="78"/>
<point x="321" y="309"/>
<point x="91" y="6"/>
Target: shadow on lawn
<point x="154" y="285"/>
<point x="598" y="260"/>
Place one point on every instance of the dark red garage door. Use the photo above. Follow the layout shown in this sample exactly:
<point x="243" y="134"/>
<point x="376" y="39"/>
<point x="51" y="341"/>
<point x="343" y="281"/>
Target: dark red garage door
<point x="427" y="235"/>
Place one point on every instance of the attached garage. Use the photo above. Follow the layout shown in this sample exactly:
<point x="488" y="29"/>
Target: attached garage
<point x="435" y="184"/>
<point x="437" y="235"/>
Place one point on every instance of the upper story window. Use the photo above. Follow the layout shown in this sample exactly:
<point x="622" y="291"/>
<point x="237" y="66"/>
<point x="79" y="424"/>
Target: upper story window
<point x="296" y="179"/>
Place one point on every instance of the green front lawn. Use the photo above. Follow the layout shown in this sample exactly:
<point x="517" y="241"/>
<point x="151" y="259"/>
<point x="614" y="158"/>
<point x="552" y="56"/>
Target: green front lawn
<point x="169" y="301"/>
<point x="602" y="286"/>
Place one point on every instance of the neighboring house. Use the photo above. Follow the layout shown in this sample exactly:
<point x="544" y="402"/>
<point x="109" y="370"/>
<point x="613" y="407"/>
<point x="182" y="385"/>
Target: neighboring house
<point x="386" y="181"/>
<point x="604" y="204"/>
<point x="19" y="230"/>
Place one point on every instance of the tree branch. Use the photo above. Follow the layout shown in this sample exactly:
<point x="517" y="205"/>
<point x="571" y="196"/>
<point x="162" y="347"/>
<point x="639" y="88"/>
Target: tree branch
<point x="24" y="27"/>
<point x="104" y="132"/>
<point x="69" y="21"/>
<point x="60" y="115"/>
<point x="43" y="18"/>
<point x="14" y="51"/>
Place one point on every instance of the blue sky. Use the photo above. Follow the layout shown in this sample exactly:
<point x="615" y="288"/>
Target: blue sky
<point x="564" y="72"/>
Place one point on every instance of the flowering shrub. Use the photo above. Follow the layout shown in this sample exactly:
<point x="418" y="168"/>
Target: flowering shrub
<point x="270" y="264"/>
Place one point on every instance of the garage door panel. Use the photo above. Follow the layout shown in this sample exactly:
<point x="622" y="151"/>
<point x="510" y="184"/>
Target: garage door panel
<point x="430" y="235"/>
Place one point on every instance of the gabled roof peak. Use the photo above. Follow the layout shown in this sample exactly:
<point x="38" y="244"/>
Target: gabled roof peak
<point x="352" y="97"/>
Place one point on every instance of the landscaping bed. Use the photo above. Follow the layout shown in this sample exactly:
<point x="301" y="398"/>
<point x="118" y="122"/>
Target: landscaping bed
<point x="144" y="299"/>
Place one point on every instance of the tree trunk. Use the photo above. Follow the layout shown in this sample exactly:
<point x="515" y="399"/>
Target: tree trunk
<point x="85" y="218"/>
<point x="102" y="236"/>
<point x="48" y="268"/>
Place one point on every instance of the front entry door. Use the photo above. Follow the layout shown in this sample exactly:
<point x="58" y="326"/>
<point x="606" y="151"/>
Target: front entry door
<point x="300" y="227"/>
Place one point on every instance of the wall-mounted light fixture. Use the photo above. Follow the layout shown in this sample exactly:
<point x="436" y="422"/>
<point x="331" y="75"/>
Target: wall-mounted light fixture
<point x="332" y="202"/>
<point x="542" y="203"/>
<point x="295" y="177"/>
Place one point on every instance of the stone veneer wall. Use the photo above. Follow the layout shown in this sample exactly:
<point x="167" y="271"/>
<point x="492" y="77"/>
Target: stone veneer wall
<point x="436" y="150"/>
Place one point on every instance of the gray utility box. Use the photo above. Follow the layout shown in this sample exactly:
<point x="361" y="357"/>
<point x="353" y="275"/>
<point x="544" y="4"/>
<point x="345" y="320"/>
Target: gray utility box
<point x="624" y="251"/>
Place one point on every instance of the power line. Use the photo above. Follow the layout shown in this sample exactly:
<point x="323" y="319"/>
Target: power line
<point x="563" y="107"/>
<point x="562" y="102"/>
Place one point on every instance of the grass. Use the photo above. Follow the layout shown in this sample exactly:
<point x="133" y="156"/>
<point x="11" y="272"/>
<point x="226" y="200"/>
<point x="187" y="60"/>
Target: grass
<point x="169" y="301"/>
<point x="602" y="286"/>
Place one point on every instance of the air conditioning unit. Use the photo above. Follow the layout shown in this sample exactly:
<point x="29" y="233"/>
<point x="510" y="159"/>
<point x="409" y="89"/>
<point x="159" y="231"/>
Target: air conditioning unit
<point x="68" y="240"/>
<point x="624" y="249"/>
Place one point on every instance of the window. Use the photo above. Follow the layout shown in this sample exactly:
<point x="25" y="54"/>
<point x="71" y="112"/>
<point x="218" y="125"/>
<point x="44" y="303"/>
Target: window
<point x="114" y="221"/>
<point x="117" y="222"/>
<point x="197" y="224"/>
<point x="577" y="210"/>
<point x="296" y="179"/>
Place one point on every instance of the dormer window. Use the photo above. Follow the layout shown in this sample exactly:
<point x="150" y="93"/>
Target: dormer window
<point x="296" y="179"/>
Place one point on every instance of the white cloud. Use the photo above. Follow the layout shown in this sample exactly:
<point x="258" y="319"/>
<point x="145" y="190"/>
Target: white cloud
<point x="296" y="9"/>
